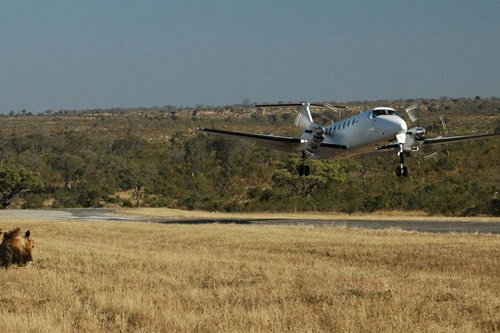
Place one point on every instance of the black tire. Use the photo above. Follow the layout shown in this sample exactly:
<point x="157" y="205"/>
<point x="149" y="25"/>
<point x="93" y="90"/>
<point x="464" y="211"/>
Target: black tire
<point x="398" y="171"/>
<point x="306" y="170"/>
<point x="404" y="172"/>
<point x="300" y="170"/>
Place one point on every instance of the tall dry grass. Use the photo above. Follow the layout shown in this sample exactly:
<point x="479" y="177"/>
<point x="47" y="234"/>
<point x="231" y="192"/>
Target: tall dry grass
<point x="141" y="277"/>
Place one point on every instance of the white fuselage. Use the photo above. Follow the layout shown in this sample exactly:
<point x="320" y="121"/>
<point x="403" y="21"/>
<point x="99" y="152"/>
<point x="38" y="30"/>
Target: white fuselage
<point x="360" y="133"/>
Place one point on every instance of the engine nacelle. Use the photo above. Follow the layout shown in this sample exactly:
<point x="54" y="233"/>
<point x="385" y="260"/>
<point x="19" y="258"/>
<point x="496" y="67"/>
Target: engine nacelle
<point x="417" y="133"/>
<point x="319" y="135"/>
<point x="314" y="137"/>
<point x="414" y="139"/>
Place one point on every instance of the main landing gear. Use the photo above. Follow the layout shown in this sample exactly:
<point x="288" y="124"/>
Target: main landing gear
<point x="401" y="170"/>
<point x="303" y="169"/>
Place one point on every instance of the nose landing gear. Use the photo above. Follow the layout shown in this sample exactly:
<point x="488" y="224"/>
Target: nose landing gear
<point x="401" y="170"/>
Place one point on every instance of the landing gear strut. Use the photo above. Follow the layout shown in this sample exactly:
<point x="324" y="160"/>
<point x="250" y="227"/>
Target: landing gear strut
<point x="401" y="170"/>
<point x="303" y="169"/>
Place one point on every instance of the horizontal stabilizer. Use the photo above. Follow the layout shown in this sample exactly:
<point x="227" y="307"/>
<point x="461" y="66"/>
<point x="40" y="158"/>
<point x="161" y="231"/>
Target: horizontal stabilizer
<point x="301" y="104"/>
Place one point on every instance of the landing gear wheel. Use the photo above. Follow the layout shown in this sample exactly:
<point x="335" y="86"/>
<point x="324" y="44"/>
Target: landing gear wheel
<point x="398" y="171"/>
<point x="306" y="170"/>
<point x="402" y="171"/>
<point x="303" y="170"/>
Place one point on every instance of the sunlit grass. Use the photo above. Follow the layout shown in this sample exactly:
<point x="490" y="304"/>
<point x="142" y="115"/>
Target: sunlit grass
<point x="142" y="277"/>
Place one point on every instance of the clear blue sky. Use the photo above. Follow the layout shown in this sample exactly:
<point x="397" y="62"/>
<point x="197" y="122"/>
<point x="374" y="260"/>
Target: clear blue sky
<point x="85" y="54"/>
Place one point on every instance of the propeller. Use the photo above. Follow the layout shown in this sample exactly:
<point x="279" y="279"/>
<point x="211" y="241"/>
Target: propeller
<point x="442" y="128"/>
<point x="413" y="113"/>
<point x="304" y="122"/>
<point x="418" y="133"/>
<point x="304" y="119"/>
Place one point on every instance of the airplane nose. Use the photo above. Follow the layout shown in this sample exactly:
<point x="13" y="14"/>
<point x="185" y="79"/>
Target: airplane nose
<point x="399" y="125"/>
<point x="395" y="126"/>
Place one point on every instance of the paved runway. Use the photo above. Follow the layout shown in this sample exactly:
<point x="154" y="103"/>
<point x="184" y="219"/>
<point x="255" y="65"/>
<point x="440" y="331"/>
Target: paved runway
<point x="491" y="226"/>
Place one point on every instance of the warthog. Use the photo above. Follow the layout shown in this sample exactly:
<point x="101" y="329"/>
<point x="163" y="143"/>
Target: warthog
<point x="16" y="248"/>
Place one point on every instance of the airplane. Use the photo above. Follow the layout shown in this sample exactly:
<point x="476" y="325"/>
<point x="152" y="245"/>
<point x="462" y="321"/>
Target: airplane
<point x="376" y="130"/>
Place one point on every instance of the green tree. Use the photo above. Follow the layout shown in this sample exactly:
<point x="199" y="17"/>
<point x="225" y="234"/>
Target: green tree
<point x="15" y="180"/>
<point x="224" y="170"/>
<point x="195" y="154"/>
<point x="324" y="176"/>
<point x="137" y="176"/>
<point x="70" y="166"/>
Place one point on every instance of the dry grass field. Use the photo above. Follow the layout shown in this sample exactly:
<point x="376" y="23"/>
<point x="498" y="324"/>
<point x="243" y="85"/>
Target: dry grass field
<point x="145" y="277"/>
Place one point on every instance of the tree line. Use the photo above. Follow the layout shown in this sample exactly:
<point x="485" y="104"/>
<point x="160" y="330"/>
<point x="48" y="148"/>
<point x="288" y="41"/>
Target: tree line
<point x="155" y="157"/>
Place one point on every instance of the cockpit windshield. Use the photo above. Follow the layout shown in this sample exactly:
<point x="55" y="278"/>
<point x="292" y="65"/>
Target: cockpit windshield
<point x="382" y="112"/>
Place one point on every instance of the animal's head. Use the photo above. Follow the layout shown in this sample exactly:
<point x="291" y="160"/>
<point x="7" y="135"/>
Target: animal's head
<point x="16" y="248"/>
<point x="29" y="243"/>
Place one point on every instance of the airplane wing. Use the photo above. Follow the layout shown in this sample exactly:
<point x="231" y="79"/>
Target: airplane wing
<point x="442" y="140"/>
<point x="283" y="143"/>
<point x="456" y="138"/>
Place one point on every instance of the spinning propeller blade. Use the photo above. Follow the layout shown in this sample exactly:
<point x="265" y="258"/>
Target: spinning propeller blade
<point x="413" y="113"/>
